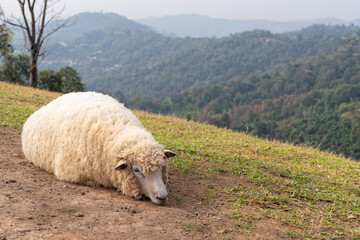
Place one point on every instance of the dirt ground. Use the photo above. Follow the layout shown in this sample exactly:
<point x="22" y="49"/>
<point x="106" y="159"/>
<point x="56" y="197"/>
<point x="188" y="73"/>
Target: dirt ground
<point x="35" y="205"/>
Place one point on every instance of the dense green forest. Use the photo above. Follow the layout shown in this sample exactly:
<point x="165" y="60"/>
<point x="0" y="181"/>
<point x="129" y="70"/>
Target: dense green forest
<point x="314" y="101"/>
<point x="220" y="60"/>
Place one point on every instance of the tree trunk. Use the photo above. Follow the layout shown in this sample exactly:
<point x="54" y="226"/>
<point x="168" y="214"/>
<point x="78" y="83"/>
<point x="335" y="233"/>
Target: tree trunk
<point x="33" y="71"/>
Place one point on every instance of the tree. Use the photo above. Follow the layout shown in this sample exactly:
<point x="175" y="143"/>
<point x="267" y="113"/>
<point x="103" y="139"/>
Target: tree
<point x="15" y="69"/>
<point x="65" y="80"/>
<point x="5" y="39"/>
<point x="50" y="80"/>
<point x="36" y="30"/>
<point x="70" y="80"/>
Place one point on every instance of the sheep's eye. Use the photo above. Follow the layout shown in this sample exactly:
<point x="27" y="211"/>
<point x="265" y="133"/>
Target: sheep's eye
<point x="137" y="169"/>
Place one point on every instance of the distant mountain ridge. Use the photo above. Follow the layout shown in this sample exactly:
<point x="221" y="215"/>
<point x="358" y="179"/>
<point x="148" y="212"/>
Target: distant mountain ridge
<point x="194" y="25"/>
<point x="86" y="22"/>
<point x="95" y="21"/>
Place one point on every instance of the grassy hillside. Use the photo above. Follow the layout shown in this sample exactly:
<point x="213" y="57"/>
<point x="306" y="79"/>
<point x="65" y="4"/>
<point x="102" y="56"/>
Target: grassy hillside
<point x="315" y="194"/>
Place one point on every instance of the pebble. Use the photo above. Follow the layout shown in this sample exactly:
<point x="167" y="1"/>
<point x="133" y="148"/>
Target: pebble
<point x="78" y="214"/>
<point x="22" y="230"/>
<point x="132" y="210"/>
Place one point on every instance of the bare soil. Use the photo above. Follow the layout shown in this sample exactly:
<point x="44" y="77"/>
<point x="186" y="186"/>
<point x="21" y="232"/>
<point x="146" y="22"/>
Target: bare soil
<point x="35" y="205"/>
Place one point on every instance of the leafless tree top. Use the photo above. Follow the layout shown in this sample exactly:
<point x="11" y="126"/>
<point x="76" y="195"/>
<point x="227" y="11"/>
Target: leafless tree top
<point x="34" y="22"/>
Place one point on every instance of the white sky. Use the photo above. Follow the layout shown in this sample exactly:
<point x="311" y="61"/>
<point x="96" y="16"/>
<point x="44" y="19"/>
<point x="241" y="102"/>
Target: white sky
<point x="280" y="10"/>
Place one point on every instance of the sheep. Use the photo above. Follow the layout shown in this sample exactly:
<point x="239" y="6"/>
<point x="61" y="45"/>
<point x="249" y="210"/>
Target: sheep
<point x="91" y="139"/>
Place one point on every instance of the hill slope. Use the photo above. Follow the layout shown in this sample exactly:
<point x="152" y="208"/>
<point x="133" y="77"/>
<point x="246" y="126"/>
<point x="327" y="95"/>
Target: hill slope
<point x="222" y="185"/>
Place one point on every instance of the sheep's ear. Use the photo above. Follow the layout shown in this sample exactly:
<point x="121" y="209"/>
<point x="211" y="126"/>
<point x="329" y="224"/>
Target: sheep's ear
<point x="169" y="153"/>
<point x="121" y="165"/>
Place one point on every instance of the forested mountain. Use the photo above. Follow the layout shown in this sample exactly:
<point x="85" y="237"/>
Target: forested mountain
<point x="213" y="61"/>
<point x="194" y="25"/>
<point x="314" y="101"/>
<point x="139" y="62"/>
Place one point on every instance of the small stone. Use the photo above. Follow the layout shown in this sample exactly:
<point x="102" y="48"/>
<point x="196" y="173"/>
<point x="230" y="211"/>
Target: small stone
<point x="2" y="238"/>
<point x="78" y="214"/>
<point x="132" y="210"/>
<point x="65" y="186"/>
<point x="30" y="217"/>
<point x="22" y="230"/>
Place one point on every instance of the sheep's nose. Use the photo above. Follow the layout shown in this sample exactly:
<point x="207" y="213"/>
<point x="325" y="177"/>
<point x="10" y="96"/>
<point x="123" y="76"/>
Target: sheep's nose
<point x="162" y="198"/>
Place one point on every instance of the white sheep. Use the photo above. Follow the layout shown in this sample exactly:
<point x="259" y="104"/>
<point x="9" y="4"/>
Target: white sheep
<point x="92" y="139"/>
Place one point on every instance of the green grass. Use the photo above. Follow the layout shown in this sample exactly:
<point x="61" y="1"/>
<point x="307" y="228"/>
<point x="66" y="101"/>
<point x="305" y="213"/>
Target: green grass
<point x="315" y="193"/>
<point x="298" y="186"/>
<point x="17" y="103"/>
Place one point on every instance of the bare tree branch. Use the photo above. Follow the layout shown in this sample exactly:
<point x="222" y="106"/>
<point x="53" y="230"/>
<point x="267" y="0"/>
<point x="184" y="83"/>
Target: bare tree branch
<point x="35" y="20"/>
<point x="22" y="7"/>
<point x="14" y="24"/>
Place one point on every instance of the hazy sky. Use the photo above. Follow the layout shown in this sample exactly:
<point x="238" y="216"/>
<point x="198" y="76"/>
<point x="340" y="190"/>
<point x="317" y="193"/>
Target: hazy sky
<point x="281" y="10"/>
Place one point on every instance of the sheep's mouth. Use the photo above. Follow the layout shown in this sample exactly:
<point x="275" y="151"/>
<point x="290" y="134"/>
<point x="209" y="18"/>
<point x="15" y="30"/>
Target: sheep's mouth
<point x="156" y="201"/>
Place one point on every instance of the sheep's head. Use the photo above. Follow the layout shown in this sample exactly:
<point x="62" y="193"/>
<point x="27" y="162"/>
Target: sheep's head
<point x="150" y="176"/>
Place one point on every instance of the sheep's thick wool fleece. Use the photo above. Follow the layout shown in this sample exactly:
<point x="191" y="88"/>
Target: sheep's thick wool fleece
<point x="80" y="137"/>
